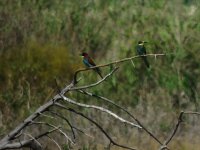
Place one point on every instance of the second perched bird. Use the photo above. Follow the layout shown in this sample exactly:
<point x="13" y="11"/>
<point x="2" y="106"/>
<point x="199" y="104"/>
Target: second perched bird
<point x="141" y="50"/>
<point x="90" y="63"/>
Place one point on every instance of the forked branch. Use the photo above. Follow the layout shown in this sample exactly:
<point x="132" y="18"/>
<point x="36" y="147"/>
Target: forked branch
<point x="99" y="108"/>
<point x="180" y="120"/>
<point x="9" y="141"/>
<point x="92" y="121"/>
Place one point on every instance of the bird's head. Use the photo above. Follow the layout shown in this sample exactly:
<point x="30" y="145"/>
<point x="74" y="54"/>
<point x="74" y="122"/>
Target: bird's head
<point x="141" y="42"/>
<point x="84" y="54"/>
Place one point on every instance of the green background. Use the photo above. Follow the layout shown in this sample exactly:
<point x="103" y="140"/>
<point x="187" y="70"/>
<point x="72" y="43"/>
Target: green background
<point x="41" y="40"/>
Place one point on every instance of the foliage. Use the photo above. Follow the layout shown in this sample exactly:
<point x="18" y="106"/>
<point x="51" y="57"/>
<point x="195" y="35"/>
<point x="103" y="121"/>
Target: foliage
<point x="41" y="40"/>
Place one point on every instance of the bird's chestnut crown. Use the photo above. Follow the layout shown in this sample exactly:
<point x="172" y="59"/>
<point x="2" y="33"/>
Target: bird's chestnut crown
<point x="84" y="54"/>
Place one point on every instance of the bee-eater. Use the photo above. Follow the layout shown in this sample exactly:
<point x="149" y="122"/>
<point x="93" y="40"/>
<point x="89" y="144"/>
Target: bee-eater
<point x="141" y="50"/>
<point x="87" y="60"/>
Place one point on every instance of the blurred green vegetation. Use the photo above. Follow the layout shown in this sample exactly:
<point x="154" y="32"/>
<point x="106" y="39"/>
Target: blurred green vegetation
<point x="41" y="40"/>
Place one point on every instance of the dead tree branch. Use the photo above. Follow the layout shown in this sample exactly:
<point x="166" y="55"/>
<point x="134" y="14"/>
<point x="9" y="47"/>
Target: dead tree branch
<point x="114" y="62"/>
<point x="5" y="142"/>
<point x="55" y="127"/>
<point x="99" y="108"/>
<point x="125" y="110"/>
<point x="102" y="130"/>
<point x="10" y="140"/>
<point x="54" y="142"/>
<point x="64" y="118"/>
<point x="94" y="84"/>
<point x="180" y="120"/>
<point x="27" y="143"/>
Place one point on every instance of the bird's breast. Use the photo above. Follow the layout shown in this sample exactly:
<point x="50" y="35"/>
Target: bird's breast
<point x="86" y="62"/>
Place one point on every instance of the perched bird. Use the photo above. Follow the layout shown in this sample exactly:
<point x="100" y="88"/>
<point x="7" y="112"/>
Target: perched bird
<point x="90" y="63"/>
<point x="141" y="50"/>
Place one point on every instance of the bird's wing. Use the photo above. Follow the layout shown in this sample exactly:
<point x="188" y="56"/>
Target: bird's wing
<point x="91" y="61"/>
<point x="144" y="50"/>
<point x="141" y="50"/>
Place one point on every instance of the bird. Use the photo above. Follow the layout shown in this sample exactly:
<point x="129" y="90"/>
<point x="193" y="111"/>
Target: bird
<point x="88" y="62"/>
<point x="141" y="50"/>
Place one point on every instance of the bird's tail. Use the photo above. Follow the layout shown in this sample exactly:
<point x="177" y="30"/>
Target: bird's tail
<point x="99" y="72"/>
<point x="146" y="61"/>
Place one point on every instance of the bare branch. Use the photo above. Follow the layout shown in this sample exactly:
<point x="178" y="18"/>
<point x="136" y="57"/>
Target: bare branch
<point x="98" y="108"/>
<point x="175" y="129"/>
<point x="33" y="138"/>
<point x="164" y="147"/>
<point x="54" y="142"/>
<point x="47" y="133"/>
<point x="132" y="63"/>
<point x="94" y="84"/>
<point x="64" y="118"/>
<point x="81" y="131"/>
<point x="8" y="142"/>
<point x="192" y="113"/>
<point x="71" y="126"/>
<point x="14" y="133"/>
<point x="26" y="143"/>
<point x="180" y="120"/>
<point x="125" y="110"/>
<point x="102" y="130"/>
<point x="42" y="114"/>
<point x="50" y="125"/>
<point x="114" y="62"/>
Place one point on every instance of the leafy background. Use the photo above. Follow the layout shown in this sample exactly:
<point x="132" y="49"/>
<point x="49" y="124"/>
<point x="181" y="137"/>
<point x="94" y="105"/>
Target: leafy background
<point x="41" y="40"/>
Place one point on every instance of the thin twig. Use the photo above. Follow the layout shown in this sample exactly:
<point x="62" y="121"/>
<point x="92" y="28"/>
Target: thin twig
<point x="180" y="120"/>
<point x="94" y="84"/>
<point x="175" y="129"/>
<point x="132" y="63"/>
<point x="125" y="110"/>
<point x="54" y="142"/>
<point x="101" y="109"/>
<point x="71" y="126"/>
<point x="42" y="114"/>
<point x="50" y="125"/>
<point x="25" y="143"/>
<point x="19" y="134"/>
<point x="192" y="113"/>
<point x="64" y="118"/>
<point x="33" y="138"/>
<point x="102" y="130"/>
